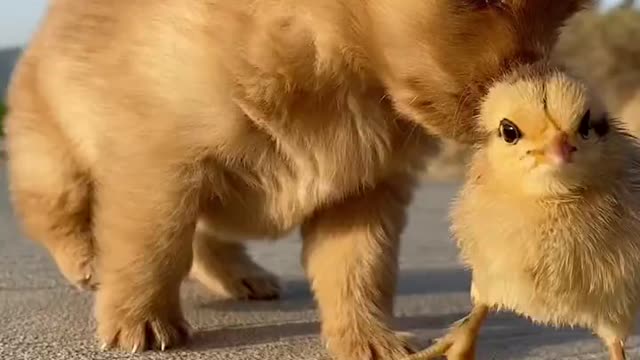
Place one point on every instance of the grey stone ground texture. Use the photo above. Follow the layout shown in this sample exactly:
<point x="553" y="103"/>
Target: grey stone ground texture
<point x="43" y="318"/>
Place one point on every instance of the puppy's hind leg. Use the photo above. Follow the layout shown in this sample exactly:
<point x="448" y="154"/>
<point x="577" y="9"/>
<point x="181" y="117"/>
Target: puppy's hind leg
<point x="145" y="216"/>
<point x="51" y="194"/>
<point x="226" y="269"/>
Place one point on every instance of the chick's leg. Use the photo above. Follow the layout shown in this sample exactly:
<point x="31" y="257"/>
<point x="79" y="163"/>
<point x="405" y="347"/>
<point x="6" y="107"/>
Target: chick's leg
<point x="616" y="350"/>
<point x="465" y="334"/>
<point x="614" y="336"/>
<point x="460" y="342"/>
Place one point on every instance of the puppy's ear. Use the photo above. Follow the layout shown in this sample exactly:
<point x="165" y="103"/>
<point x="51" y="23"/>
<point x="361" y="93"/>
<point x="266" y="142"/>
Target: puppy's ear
<point x="578" y="5"/>
<point x="551" y="10"/>
<point x="539" y="21"/>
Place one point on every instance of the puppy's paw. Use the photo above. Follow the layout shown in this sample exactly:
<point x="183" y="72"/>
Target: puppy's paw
<point x="137" y="335"/>
<point x="261" y="286"/>
<point x="252" y="285"/>
<point x="76" y="263"/>
<point x="246" y="282"/>
<point x="368" y="346"/>
<point x="137" y="330"/>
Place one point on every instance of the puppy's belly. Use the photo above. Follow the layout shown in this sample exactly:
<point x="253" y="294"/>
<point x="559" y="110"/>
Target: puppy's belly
<point x="260" y="214"/>
<point x="231" y="226"/>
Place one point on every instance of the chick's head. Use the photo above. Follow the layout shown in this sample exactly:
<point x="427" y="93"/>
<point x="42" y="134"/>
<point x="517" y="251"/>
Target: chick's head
<point x="547" y="133"/>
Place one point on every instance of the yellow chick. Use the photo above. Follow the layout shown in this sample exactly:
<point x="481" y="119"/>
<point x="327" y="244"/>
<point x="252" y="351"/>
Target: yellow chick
<point x="549" y="217"/>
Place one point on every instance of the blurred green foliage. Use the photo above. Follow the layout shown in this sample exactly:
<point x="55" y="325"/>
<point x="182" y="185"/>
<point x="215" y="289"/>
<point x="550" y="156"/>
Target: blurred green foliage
<point x="3" y="111"/>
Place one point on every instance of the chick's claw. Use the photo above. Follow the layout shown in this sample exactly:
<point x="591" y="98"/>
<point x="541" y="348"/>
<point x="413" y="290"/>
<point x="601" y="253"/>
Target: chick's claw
<point x="436" y="351"/>
<point x="459" y="342"/>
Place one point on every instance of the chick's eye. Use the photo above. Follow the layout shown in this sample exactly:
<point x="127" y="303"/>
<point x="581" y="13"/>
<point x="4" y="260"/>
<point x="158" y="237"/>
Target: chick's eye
<point x="484" y="4"/>
<point x="509" y="132"/>
<point x="584" y="129"/>
<point x="601" y="127"/>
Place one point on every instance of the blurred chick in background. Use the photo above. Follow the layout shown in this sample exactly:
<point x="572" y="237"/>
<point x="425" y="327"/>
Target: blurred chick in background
<point x="549" y="217"/>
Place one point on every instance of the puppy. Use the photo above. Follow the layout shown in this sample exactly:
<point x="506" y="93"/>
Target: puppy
<point x="630" y="114"/>
<point x="151" y="138"/>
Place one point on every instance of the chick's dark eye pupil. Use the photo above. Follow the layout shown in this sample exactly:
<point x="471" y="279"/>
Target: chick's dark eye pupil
<point x="483" y="4"/>
<point x="601" y="127"/>
<point x="585" y="125"/>
<point x="509" y="132"/>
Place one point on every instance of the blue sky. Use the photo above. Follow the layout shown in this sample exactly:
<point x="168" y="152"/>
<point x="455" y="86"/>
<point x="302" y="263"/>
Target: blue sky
<point x="18" y="19"/>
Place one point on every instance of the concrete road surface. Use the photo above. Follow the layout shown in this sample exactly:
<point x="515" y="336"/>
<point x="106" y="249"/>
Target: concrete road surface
<point x="43" y="318"/>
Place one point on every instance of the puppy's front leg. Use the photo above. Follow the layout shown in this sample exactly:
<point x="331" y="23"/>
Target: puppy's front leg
<point x="350" y="255"/>
<point x="145" y="219"/>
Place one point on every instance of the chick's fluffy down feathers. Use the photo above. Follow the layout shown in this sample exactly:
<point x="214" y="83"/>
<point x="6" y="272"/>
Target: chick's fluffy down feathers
<point x="565" y="262"/>
<point x="558" y="258"/>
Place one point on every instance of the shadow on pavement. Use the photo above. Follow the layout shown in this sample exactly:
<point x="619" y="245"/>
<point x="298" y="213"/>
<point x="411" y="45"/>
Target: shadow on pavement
<point x="297" y="294"/>
<point x="502" y="332"/>
<point x="263" y="334"/>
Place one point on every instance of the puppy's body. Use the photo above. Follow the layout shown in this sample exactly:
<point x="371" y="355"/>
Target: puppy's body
<point x="130" y="122"/>
<point x="630" y="114"/>
<point x="278" y="146"/>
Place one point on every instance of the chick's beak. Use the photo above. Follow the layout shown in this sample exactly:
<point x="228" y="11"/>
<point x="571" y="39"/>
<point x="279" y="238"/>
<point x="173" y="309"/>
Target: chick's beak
<point x="561" y="150"/>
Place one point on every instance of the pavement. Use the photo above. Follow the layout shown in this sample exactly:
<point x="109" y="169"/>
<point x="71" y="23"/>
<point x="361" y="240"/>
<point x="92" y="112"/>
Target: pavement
<point x="43" y="318"/>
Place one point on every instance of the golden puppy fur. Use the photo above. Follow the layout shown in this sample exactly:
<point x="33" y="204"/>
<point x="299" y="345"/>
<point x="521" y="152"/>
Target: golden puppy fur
<point x="131" y="122"/>
<point x="630" y="114"/>
<point x="549" y="223"/>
